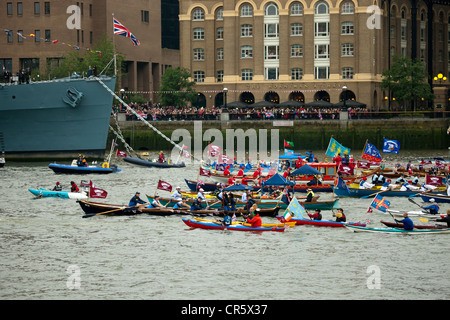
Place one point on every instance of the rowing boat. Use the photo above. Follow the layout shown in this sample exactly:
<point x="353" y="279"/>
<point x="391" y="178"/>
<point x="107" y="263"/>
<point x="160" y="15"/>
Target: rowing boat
<point x="152" y="163"/>
<point x="356" y="192"/>
<point x="41" y="192"/>
<point x="74" y="169"/>
<point x="320" y="223"/>
<point x="441" y="198"/>
<point x="416" y="226"/>
<point x="267" y="225"/>
<point x="233" y="227"/>
<point x="396" y="231"/>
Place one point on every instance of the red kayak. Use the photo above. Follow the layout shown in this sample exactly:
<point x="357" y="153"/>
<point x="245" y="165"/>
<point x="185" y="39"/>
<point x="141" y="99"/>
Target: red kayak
<point x="416" y="226"/>
<point x="233" y="227"/>
<point x="321" y="223"/>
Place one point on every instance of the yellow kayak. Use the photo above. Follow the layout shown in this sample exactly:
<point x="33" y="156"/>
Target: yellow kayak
<point x="269" y="225"/>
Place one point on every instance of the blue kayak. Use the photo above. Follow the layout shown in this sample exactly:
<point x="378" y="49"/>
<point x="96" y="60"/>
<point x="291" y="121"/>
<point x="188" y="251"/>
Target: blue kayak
<point x="41" y="192"/>
<point x="64" y="168"/>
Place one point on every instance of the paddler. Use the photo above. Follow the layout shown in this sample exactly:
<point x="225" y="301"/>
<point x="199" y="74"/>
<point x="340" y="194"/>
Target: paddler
<point x="155" y="203"/>
<point x="408" y="224"/>
<point x="254" y="219"/>
<point x="136" y="200"/>
<point x="433" y="207"/>
<point x="58" y="187"/>
<point x="445" y="219"/>
<point x="74" y="187"/>
<point x="176" y="195"/>
<point x="340" y="216"/>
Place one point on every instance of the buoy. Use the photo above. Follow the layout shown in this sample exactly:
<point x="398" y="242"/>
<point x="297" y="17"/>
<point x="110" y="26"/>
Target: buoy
<point x="105" y="165"/>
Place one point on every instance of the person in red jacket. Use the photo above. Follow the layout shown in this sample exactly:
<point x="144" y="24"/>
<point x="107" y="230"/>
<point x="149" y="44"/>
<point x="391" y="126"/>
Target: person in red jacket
<point x="74" y="187"/>
<point x="254" y="220"/>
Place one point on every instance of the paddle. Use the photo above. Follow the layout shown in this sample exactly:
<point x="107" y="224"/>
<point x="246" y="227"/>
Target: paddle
<point x="96" y="214"/>
<point x="411" y="200"/>
<point x="374" y="194"/>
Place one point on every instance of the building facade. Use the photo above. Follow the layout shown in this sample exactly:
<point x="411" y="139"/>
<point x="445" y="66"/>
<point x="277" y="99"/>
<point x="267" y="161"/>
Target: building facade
<point x="39" y="33"/>
<point x="308" y="50"/>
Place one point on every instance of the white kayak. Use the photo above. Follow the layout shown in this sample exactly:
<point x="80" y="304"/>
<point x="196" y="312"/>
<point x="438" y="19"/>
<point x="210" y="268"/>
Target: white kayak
<point x="41" y="192"/>
<point x="396" y="231"/>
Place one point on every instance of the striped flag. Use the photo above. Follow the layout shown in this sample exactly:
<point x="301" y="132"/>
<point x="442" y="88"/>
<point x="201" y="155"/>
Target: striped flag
<point x="122" y="31"/>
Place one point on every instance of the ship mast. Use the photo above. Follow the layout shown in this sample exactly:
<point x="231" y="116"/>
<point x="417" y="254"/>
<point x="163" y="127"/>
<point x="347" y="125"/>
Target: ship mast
<point x="114" y="49"/>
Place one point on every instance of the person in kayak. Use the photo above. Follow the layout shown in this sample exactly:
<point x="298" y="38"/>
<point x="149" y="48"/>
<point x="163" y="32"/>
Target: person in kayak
<point x="226" y="220"/>
<point x="433" y="207"/>
<point x="445" y="219"/>
<point x="340" y="216"/>
<point x="74" y="187"/>
<point x="58" y="187"/>
<point x="181" y="204"/>
<point x="408" y="224"/>
<point x="254" y="219"/>
<point x="136" y="200"/>
<point x="155" y="203"/>
<point x="316" y="215"/>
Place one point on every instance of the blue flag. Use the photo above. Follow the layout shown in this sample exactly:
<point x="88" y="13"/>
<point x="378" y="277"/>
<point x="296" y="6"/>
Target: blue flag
<point x="335" y="147"/>
<point x="391" y="146"/>
<point x="371" y="153"/>
<point x="340" y="184"/>
<point x="380" y="203"/>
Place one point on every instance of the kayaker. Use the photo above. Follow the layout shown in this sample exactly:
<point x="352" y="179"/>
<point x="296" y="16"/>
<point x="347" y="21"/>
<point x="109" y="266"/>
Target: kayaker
<point x="161" y="157"/>
<point x="226" y="220"/>
<point x="136" y="200"/>
<point x="254" y="220"/>
<point x="74" y="187"/>
<point x="408" y="224"/>
<point x="445" y="219"/>
<point x="58" y="187"/>
<point x="433" y="207"/>
<point x="309" y="195"/>
<point x="316" y="215"/>
<point x="155" y="203"/>
<point x="340" y="216"/>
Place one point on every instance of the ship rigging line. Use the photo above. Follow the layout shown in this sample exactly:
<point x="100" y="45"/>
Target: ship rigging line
<point x="141" y="118"/>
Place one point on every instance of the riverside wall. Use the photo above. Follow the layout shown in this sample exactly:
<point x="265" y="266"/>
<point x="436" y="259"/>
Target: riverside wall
<point x="413" y="134"/>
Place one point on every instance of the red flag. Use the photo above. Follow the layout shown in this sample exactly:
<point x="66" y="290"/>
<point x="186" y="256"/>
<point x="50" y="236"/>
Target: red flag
<point x="225" y="159"/>
<point x="96" y="192"/>
<point x="162" y="185"/>
<point x="433" y="180"/>
<point x="121" y="153"/>
<point x="204" y="172"/>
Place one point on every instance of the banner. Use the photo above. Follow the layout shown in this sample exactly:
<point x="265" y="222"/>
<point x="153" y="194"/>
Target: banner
<point x="380" y="203"/>
<point x="288" y="144"/>
<point x="204" y="172"/>
<point x="335" y="147"/>
<point x="121" y="153"/>
<point x="371" y="153"/>
<point x="96" y="192"/>
<point x="162" y="185"/>
<point x="433" y="180"/>
<point x="391" y="146"/>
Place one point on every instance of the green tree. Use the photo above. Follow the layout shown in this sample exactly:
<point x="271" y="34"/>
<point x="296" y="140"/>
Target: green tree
<point x="407" y="80"/>
<point x="79" y="60"/>
<point x="176" y="89"/>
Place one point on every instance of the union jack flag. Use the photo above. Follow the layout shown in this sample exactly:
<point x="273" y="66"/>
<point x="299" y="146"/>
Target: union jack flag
<point x="122" y="31"/>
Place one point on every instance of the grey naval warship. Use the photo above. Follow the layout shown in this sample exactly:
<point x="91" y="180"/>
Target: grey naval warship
<point x="56" y="119"/>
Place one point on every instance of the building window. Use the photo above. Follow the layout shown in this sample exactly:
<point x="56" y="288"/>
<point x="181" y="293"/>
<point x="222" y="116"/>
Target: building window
<point x="246" y="30"/>
<point x="19" y="8"/>
<point x="198" y="14"/>
<point x="347" y="49"/>
<point x="347" y="73"/>
<point x="220" y="76"/>
<point x="247" y="74"/>
<point x="271" y="30"/>
<point x="199" y="76"/>
<point x="348" y="8"/>
<point x="48" y="36"/>
<point x="37" y="8"/>
<point x="347" y="27"/>
<point x="246" y="10"/>
<point x="271" y="52"/>
<point x="296" y="74"/>
<point x="321" y="29"/>
<point x="296" y="29"/>
<point x="199" y="34"/>
<point x="219" y="14"/>
<point x="321" y="72"/>
<point x="271" y="9"/>
<point x="9" y="8"/>
<point x="296" y="9"/>
<point x="297" y="50"/>
<point x="403" y="32"/>
<point x="321" y="8"/>
<point x="219" y="33"/>
<point x="219" y="53"/>
<point x="246" y="52"/>
<point x="322" y="51"/>
<point x="47" y="7"/>
<point x="145" y="16"/>
<point x="9" y="36"/>
<point x="37" y="35"/>
<point x="271" y="73"/>
<point x="199" y="54"/>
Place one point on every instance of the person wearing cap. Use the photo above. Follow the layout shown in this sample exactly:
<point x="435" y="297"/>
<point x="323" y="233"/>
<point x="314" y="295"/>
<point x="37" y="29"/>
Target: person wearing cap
<point x="161" y="157"/>
<point x="433" y="207"/>
<point x="316" y="215"/>
<point x="340" y="216"/>
<point x="408" y="224"/>
<point x="254" y="219"/>
<point x="58" y="187"/>
<point x="155" y="203"/>
<point x="309" y="195"/>
<point x="201" y="195"/>
<point x="136" y="200"/>
<point x="445" y="219"/>
<point x="176" y="195"/>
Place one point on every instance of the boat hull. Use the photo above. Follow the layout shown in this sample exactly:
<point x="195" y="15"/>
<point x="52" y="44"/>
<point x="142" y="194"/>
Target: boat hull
<point x="233" y="227"/>
<point x="69" y="169"/>
<point x="48" y="118"/>
<point x="58" y="194"/>
<point x="321" y="223"/>
<point x="397" y="231"/>
<point x="151" y="164"/>
<point x="438" y="198"/>
<point x="418" y="226"/>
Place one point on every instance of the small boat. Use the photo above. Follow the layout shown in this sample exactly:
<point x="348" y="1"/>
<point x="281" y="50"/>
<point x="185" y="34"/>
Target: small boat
<point x="321" y="223"/>
<point x="75" y="169"/>
<point x="441" y="198"/>
<point x="416" y="226"/>
<point x="267" y="225"/>
<point x="153" y="163"/>
<point x="41" y="192"/>
<point x="420" y="214"/>
<point x="397" y="231"/>
<point x="358" y="193"/>
<point x="233" y="227"/>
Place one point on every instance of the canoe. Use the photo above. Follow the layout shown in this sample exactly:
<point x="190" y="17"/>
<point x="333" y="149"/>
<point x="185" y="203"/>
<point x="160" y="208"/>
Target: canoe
<point x="441" y="198"/>
<point x="419" y="214"/>
<point x="416" y="226"/>
<point x="321" y="223"/>
<point x="267" y="225"/>
<point x="261" y="203"/>
<point x="41" y="192"/>
<point x="74" y="169"/>
<point x="358" y="193"/>
<point x="153" y="164"/>
<point x="397" y="231"/>
<point x="233" y="227"/>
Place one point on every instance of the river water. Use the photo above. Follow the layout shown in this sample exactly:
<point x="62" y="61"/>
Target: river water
<point x="48" y="251"/>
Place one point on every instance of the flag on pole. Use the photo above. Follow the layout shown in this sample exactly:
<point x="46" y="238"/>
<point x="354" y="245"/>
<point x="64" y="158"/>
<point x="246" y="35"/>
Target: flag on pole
<point x="391" y="146"/>
<point x="121" y="153"/>
<point x="294" y="209"/>
<point x="335" y="147"/>
<point x="162" y="185"/>
<point x="380" y="203"/>
<point x="122" y="31"/>
<point x="288" y="144"/>
<point x="340" y="184"/>
<point x="96" y="192"/>
<point x="371" y="153"/>
<point x="204" y="172"/>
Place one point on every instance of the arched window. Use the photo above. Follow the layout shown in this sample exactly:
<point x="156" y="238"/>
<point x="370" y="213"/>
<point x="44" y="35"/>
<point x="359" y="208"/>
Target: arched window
<point x="296" y="9"/>
<point x="271" y="9"/>
<point x="198" y="14"/>
<point x="321" y="8"/>
<point x="219" y="14"/>
<point x="348" y="8"/>
<point x="246" y="10"/>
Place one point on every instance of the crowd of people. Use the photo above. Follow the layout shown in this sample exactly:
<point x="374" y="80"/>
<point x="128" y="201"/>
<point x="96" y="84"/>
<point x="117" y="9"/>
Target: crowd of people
<point x="156" y="112"/>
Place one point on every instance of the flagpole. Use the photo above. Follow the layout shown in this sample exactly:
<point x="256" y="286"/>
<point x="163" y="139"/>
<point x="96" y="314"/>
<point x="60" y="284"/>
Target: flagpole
<point x="114" y="50"/>
<point x="364" y="149"/>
